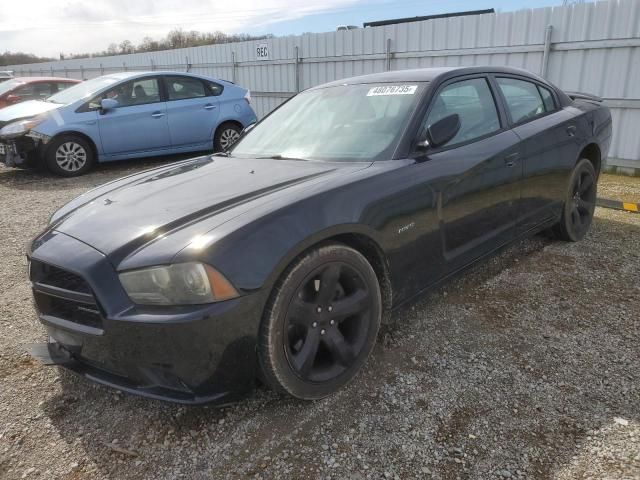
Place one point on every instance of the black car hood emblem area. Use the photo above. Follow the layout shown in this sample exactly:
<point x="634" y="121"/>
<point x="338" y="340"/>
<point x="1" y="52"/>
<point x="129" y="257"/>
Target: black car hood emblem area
<point x="157" y="205"/>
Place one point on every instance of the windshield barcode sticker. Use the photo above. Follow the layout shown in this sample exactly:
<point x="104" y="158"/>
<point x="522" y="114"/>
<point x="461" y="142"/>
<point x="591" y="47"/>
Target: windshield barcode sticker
<point x="393" y="90"/>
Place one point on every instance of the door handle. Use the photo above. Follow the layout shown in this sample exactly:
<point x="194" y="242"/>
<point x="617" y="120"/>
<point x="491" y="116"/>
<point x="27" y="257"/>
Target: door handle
<point x="571" y="130"/>
<point x="208" y="106"/>
<point x="510" y="160"/>
<point x="157" y="114"/>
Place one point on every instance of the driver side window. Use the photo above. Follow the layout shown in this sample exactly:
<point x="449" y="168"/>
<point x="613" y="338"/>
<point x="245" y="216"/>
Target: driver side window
<point x="473" y="102"/>
<point x="134" y="92"/>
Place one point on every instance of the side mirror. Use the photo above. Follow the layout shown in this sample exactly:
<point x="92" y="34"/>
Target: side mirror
<point x="11" y="99"/>
<point x="441" y="132"/>
<point x="107" y="104"/>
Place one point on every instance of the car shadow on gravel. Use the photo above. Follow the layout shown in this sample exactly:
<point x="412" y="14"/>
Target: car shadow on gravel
<point x="508" y="371"/>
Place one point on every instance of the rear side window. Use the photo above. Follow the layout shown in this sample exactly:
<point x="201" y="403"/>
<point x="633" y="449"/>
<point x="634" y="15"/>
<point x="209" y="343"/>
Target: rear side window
<point x="182" y="88"/>
<point x="523" y="98"/>
<point x="547" y="99"/>
<point x="216" y="88"/>
<point x="473" y="102"/>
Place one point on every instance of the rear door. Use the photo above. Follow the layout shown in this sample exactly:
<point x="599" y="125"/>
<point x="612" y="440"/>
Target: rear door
<point x="139" y="123"/>
<point x="192" y="110"/>
<point x="477" y="173"/>
<point x="549" y="147"/>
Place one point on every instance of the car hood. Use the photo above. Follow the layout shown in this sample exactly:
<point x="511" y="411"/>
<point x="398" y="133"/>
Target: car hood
<point x="27" y="109"/>
<point x="121" y="218"/>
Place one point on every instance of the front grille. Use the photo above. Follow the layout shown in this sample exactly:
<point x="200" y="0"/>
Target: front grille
<point x="64" y="295"/>
<point x="57" y="277"/>
<point x="70" y="310"/>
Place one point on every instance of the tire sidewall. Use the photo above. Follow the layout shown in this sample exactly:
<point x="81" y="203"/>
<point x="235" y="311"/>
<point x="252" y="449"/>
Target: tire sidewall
<point x="274" y="361"/>
<point x="50" y="156"/>
<point x="584" y="165"/>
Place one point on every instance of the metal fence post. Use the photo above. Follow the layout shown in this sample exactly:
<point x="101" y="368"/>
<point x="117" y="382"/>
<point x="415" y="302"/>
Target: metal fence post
<point x="66" y="74"/>
<point x="544" y="68"/>
<point x="387" y="56"/>
<point x="124" y="65"/>
<point x="153" y="65"/>
<point x="297" y="69"/>
<point x="186" y="59"/>
<point x="101" y="70"/>
<point x="233" y="67"/>
<point x="81" y="72"/>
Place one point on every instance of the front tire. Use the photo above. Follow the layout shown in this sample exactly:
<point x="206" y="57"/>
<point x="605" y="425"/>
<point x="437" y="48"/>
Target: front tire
<point x="69" y="156"/>
<point x="321" y="323"/>
<point x="579" y="204"/>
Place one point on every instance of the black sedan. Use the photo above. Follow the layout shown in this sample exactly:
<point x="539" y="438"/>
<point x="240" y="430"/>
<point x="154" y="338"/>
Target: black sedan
<point x="280" y="259"/>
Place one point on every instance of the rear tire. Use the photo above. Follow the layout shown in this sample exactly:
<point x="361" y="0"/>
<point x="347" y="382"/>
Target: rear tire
<point x="579" y="204"/>
<point x="321" y="323"/>
<point x="69" y="156"/>
<point x="226" y="135"/>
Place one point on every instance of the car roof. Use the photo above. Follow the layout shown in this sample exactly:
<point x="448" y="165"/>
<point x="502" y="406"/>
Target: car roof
<point x="427" y="75"/>
<point x="45" y="79"/>
<point x="143" y="73"/>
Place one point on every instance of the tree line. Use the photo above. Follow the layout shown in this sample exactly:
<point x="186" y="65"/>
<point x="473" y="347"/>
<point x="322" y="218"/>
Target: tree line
<point x="177" y="38"/>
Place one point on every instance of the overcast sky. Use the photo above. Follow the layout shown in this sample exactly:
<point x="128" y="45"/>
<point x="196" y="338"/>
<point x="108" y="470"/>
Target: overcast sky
<point x="49" y="27"/>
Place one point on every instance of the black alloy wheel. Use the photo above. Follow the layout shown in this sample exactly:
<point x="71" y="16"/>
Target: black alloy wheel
<point x="327" y="322"/>
<point x="322" y="324"/>
<point x="580" y="203"/>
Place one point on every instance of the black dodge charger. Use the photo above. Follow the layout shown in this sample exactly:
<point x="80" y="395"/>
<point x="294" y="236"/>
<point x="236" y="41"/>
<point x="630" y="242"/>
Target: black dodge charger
<point x="279" y="259"/>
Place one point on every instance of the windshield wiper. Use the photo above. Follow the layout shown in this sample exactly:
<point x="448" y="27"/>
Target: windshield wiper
<point x="280" y="157"/>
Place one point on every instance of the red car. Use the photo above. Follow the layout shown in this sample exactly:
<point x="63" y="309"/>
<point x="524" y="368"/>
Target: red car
<point x="20" y="89"/>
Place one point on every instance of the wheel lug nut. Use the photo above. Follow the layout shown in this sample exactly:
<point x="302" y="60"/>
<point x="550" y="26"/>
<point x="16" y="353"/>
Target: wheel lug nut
<point x="323" y="331"/>
<point x="314" y="324"/>
<point x="332" y="322"/>
<point x="319" y="309"/>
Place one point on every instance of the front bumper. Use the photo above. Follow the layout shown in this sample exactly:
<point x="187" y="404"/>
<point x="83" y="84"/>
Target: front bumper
<point x="23" y="152"/>
<point x="193" y="355"/>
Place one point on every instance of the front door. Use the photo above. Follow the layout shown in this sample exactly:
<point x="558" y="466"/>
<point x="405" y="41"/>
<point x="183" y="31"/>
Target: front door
<point x="476" y="175"/>
<point x="139" y="123"/>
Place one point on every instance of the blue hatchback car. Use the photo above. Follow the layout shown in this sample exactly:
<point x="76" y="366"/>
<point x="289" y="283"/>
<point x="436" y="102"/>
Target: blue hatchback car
<point x="121" y="116"/>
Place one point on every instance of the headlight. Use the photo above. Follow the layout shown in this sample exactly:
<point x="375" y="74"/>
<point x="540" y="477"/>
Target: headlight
<point x="21" y="127"/>
<point x="179" y="284"/>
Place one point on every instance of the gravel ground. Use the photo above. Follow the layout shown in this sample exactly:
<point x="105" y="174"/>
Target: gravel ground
<point x="525" y="367"/>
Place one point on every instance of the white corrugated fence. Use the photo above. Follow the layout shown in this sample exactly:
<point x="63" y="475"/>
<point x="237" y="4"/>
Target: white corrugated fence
<point x="588" y="47"/>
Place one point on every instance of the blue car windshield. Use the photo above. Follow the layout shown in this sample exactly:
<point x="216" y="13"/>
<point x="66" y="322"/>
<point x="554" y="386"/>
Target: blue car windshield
<point x="361" y="122"/>
<point x="82" y="90"/>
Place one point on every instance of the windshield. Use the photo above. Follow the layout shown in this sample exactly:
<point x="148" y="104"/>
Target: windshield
<point x="9" y="85"/>
<point x="344" y="123"/>
<point x="82" y="90"/>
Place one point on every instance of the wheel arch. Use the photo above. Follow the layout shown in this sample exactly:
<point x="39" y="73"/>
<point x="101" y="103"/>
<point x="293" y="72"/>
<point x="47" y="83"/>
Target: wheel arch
<point x="231" y="121"/>
<point x="592" y="152"/>
<point x="84" y="136"/>
<point x="358" y="239"/>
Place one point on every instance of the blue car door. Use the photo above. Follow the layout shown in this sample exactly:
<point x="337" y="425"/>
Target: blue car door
<point x="192" y="110"/>
<point x="139" y="123"/>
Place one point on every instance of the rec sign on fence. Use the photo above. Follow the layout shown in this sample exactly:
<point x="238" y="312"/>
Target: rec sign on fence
<point x="262" y="51"/>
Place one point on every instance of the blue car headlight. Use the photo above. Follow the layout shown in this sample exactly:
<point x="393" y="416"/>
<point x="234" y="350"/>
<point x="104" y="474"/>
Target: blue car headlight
<point x="21" y="127"/>
<point x="189" y="283"/>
